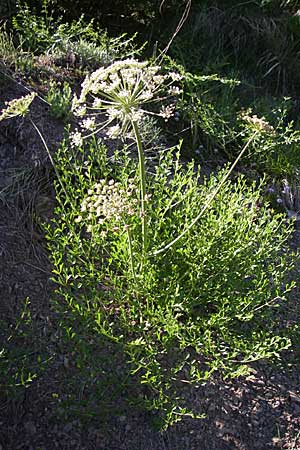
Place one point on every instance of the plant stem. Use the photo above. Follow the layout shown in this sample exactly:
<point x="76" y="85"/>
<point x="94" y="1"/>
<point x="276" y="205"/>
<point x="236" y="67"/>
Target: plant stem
<point x="51" y="160"/>
<point x="142" y="174"/>
<point x="131" y="253"/>
<point x="209" y="201"/>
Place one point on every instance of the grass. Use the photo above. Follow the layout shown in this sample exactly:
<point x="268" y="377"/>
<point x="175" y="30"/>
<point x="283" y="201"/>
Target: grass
<point x="171" y="275"/>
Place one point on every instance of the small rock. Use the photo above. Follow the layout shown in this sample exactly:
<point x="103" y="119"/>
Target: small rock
<point x="66" y="362"/>
<point x="269" y="395"/>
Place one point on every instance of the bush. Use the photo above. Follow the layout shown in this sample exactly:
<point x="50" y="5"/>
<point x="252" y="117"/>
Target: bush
<point x="207" y="304"/>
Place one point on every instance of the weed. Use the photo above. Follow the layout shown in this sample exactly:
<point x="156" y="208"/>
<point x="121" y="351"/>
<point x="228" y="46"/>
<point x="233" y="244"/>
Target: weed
<point x="196" y="309"/>
<point x="18" y="368"/>
<point x="215" y="117"/>
<point x="180" y="308"/>
<point x="11" y="54"/>
<point x="60" y="100"/>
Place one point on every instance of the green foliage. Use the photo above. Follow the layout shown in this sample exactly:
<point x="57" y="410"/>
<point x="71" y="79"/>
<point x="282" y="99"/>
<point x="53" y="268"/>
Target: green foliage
<point x="207" y="304"/>
<point x="133" y="11"/>
<point x="60" y="99"/>
<point x="12" y="55"/>
<point x="18" y="362"/>
<point x="7" y="48"/>
<point x="215" y="117"/>
<point x="81" y="41"/>
<point x="262" y="44"/>
<point x="276" y="147"/>
<point x="34" y="31"/>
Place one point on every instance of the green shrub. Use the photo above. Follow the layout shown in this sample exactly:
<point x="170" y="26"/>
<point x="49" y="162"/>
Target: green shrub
<point x="184" y="275"/>
<point x="217" y="115"/>
<point x="60" y="100"/>
<point x="207" y="304"/>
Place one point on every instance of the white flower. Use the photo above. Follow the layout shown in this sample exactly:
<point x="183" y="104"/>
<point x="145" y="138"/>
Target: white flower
<point x="174" y="90"/>
<point x="114" y="113"/>
<point x="120" y="91"/>
<point x="89" y="123"/>
<point x="80" y="111"/>
<point x="76" y="139"/>
<point x="259" y="123"/>
<point x="175" y="76"/>
<point x="114" y="132"/>
<point x="167" y="111"/>
<point x="136" y="115"/>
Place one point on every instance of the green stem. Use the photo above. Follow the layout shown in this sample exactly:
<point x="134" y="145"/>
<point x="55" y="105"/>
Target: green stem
<point x="142" y="174"/>
<point x="209" y="201"/>
<point x="52" y="162"/>
<point x="130" y="252"/>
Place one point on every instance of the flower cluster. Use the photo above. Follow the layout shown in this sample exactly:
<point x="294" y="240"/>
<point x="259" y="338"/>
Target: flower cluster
<point x="258" y="123"/>
<point x="120" y="90"/>
<point x="167" y="112"/>
<point x="108" y="203"/>
<point x="17" y="107"/>
<point x="76" y="138"/>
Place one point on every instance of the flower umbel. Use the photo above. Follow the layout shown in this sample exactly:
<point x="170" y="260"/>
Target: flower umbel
<point x="258" y="123"/>
<point x="17" y="107"/>
<point x="108" y="204"/>
<point x="121" y="90"/>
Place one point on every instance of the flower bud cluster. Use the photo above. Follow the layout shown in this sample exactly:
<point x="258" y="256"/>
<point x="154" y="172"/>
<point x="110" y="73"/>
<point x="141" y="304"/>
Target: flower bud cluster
<point x="76" y="138"/>
<point x="108" y="203"/>
<point x="259" y="123"/>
